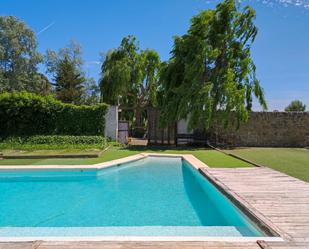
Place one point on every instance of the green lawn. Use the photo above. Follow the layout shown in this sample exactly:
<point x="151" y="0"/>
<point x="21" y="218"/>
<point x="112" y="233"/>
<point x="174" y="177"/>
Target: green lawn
<point x="291" y="161"/>
<point x="211" y="157"/>
<point x="294" y="162"/>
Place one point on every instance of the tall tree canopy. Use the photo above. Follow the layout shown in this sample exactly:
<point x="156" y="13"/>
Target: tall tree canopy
<point x="18" y="57"/>
<point x="130" y="76"/>
<point x="211" y="73"/>
<point x="296" y="106"/>
<point x="70" y="82"/>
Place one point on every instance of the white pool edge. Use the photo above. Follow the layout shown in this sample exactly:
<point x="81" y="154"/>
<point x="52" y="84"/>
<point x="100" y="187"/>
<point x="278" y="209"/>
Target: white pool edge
<point x="142" y="238"/>
<point x="190" y="158"/>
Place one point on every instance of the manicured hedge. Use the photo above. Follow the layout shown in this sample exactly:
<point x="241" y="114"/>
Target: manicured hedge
<point x="63" y="140"/>
<point x="26" y="114"/>
<point x="54" y="142"/>
<point x="55" y="139"/>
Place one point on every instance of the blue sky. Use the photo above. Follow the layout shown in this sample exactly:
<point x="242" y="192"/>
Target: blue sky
<point x="281" y="50"/>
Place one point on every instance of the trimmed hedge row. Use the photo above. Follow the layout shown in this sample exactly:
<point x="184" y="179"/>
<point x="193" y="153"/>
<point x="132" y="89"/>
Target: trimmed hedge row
<point x="26" y="114"/>
<point x="55" y="142"/>
<point x="65" y="140"/>
<point x="55" y="139"/>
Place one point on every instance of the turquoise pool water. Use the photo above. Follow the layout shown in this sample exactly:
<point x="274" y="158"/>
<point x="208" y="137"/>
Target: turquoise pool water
<point x="149" y="197"/>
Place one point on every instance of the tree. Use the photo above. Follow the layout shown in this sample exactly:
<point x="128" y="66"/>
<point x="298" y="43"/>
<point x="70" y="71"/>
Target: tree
<point x="211" y="75"/>
<point x="130" y="76"/>
<point x="92" y="92"/>
<point x="44" y="87"/>
<point x="65" y="66"/>
<point x="69" y="82"/>
<point x="18" y="56"/>
<point x="295" y="106"/>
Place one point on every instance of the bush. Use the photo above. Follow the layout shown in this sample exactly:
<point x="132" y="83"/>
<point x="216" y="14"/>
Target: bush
<point x="53" y="142"/>
<point x="26" y="114"/>
<point x="64" y="140"/>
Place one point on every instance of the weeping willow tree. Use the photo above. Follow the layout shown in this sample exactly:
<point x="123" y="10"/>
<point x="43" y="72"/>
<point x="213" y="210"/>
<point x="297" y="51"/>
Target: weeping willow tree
<point x="211" y="74"/>
<point x="129" y="77"/>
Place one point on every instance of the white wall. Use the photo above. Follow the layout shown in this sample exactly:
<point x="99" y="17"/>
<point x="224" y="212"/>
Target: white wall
<point x="111" y="123"/>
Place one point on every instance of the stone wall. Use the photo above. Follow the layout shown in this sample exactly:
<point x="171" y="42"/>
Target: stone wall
<point x="263" y="129"/>
<point x="273" y="129"/>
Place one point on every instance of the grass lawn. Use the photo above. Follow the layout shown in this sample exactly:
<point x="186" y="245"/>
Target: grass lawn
<point x="211" y="157"/>
<point x="291" y="161"/>
<point x="294" y="162"/>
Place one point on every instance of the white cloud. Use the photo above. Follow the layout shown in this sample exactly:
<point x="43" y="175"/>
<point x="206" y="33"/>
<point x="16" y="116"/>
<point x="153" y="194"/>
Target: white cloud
<point x="285" y="3"/>
<point x="271" y="3"/>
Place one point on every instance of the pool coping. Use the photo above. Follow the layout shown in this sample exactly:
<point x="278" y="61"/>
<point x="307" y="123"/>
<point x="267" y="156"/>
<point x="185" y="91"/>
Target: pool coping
<point x="261" y="222"/>
<point x="188" y="157"/>
<point x="143" y="238"/>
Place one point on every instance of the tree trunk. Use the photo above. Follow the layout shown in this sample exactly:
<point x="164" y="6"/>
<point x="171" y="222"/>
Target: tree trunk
<point x="138" y="117"/>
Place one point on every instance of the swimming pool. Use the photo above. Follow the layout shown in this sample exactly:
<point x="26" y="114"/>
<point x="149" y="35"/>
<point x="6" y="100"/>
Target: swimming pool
<point x="154" y="196"/>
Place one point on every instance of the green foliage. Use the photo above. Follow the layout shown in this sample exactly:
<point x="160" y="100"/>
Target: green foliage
<point x="81" y="120"/>
<point x="44" y="87"/>
<point x="295" y="106"/>
<point x="118" y="72"/>
<point x="24" y="114"/>
<point x="55" y="139"/>
<point x="71" y="84"/>
<point x="130" y="76"/>
<point x="54" y="147"/>
<point x="52" y="142"/>
<point x="91" y="94"/>
<point x="211" y="73"/>
<point x="18" y="57"/>
<point x="68" y="82"/>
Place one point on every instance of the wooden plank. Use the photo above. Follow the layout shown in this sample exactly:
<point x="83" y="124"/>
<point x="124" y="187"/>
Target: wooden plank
<point x="17" y="245"/>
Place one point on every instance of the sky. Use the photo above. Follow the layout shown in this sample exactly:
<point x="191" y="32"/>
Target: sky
<point x="280" y="52"/>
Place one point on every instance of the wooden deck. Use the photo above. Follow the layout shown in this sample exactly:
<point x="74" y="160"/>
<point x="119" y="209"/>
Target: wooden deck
<point x="279" y="200"/>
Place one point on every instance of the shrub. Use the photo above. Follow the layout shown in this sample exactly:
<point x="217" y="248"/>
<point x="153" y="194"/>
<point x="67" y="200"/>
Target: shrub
<point x="25" y="114"/>
<point x="53" y="142"/>
<point x="64" y="140"/>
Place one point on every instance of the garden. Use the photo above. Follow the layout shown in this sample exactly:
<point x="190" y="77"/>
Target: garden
<point x="130" y="147"/>
<point x="59" y="117"/>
